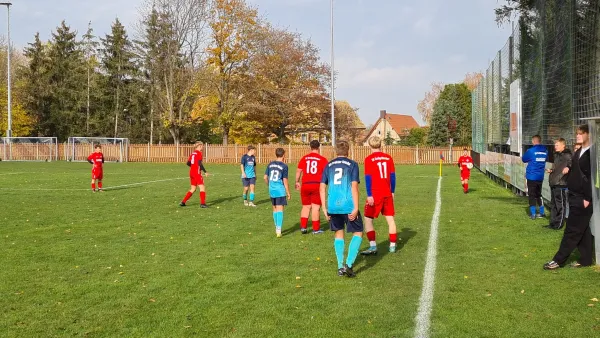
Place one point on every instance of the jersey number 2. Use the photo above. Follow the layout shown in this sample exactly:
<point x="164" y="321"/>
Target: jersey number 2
<point x="382" y="169"/>
<point x="337" y="177"/>
<point x="311" y="167"/>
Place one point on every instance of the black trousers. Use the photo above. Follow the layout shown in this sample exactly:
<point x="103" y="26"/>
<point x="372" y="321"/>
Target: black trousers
<point x="560" y="206"/>
<point x="577" y="235"/>
<point x="534" y="190"/>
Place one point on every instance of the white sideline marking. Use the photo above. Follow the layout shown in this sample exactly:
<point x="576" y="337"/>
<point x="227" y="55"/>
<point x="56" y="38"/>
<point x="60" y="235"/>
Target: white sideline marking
<point x="18" y="173"/>
<point x="105" y="188"/>
<point x="423" y="318"/>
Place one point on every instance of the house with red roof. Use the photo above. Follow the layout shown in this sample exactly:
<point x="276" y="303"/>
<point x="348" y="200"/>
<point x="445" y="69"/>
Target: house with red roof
<point x="395" y="126"/>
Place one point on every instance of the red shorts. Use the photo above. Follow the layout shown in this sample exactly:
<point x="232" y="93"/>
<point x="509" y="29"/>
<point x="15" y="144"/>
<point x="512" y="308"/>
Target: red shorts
<point x="97" y="174"/>
<point x="309" y="193"/>
<point x="196" y="180"/>
<point x="382" y="205"/>
<point x="465" y="174"/>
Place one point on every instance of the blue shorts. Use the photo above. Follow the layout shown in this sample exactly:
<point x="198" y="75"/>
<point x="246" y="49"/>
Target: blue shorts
<point x="279" y="201"/>
<point x="337" y="222"/>
<point x="247" y="181"/>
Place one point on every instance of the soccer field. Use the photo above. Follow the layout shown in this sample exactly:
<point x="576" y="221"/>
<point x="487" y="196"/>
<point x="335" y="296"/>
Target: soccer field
<point x="130" y="262"/>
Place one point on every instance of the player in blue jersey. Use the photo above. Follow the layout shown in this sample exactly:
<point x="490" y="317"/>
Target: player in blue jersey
<point x="339" y="198"/>
<point x="276" y="177"/>
<point x="248" y="167"/>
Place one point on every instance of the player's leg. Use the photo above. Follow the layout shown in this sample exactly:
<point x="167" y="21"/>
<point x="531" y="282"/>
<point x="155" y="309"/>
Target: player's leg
<point x="371" y="212"/>
<point x="336" y="224"/>
<point x="315" y="218"/>
<point x="356" y="227"/>
<point x="279" y="223"/>
<point x="93" y="184"/>
<point x="532" y="198"/>
<point x="389" y="212"/>
<point x="540" y="202"/>
<point x="202" y="189"/>
<point x="466" y="184"/>
<point x="245" y="192"/>
<point x="189" y="193"/>
<point x="100" y="185"/>
<point x="251" y="194"/>
<point x="304" y="213"/>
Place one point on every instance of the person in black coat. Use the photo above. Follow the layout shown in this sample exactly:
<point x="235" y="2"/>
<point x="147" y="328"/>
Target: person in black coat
<point x="577" y="232"/>
<point x="558" y="184"/>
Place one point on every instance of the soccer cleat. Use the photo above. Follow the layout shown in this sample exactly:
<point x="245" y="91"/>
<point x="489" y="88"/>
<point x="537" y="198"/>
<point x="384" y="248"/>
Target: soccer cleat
<point x="392" y="249"/>
<point x="532" y="217"/>
<point x="245" y="203"/>
<point x="552" y="265"/>
<point x="100" y="190"/>
<point x="318" y="232"/>
<point x="203" y="206"/>
<point x="278" y="233"/>
<point x="304" y="231"/>
<point x="341" y="272"/>
<point x="349" y="272"/>
<point x="251" y="204"/>
<point x="182" y="204"/>
<point x="540" y="216"/>
<point x="370" y="251"/>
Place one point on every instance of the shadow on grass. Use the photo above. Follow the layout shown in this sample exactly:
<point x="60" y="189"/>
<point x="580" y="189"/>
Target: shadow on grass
<point x="404" y="237"/>
<point x="222" y="200"/>
<point x="291" y="230"/>
<point x="264" y="201"/>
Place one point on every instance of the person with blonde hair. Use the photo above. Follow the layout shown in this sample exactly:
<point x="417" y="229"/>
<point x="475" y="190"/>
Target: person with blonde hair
<point x="196" y="179"/>
<point x="380" y="181"/>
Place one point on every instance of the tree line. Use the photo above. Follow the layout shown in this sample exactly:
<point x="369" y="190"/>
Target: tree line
<point x="210" y="70"/>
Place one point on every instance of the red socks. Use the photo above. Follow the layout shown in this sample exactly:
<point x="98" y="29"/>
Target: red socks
<point x="316" y="225"/>
<point x="371" y="236"/>
<point x="93" y="186"/>
<point x="303" y="222"/>
<point x="100" y="185"/>
<point x="393" y="238"/>
<point x="466" y="187"/>
<point x="187" y="197"/>
<point x="202" y="197"/>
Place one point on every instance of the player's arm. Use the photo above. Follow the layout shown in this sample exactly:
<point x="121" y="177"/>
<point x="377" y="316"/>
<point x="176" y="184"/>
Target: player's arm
<point x="242" y="167"/>
<point x="102" y="158"/>
<point x="266" y="177"/>
<point x="202" y="168"/>
<point x="286" y="183"/>
<point x="355" y="180"/>
<point x="89" y="159"/>
<point x="323" y="193"/>
<point x="392" y="179"/>
<point x="298" y="177"/>
<point x="527" y="156"/>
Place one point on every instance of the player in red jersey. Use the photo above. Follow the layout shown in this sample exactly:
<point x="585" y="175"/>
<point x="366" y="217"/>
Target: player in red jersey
<point x="96" y="159"/>
<point x="380" y="181"/>
<point x="310" y="169"/>
<point x="196" y="179"/>
<point x="465" y="163"/>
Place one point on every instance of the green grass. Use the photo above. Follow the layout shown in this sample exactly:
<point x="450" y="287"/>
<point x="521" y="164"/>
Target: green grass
<point x="130" y="262"/>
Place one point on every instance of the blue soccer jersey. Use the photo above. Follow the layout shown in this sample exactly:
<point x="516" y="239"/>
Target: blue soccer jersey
<point x="249" y="163"/>
<point x="276" y="172"/>
<point x="339" y="175"/>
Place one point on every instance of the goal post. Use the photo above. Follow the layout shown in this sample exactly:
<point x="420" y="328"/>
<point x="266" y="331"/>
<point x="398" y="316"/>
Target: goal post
<point x="29" y="149"/>
<point x="114" y="149"/>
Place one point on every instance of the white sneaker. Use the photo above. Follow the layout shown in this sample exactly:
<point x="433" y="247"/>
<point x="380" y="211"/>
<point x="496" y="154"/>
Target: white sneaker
<point x="251" y="204"/>
<point x="245" y="203"/>
<point x="278" y="233"/>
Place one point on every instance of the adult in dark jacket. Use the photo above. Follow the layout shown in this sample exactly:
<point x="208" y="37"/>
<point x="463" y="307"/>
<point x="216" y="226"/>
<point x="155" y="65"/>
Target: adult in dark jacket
<point x="578" y="233"/>
<point x="535" y="158"/>
<point x="558" y="184"/>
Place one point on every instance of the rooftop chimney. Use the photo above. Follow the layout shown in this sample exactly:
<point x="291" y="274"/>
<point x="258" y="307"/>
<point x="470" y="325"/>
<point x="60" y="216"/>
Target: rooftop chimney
<point x="382" y="114"/>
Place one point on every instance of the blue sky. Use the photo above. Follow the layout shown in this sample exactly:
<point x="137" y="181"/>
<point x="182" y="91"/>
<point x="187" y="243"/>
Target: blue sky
<point x="388" y="52"/>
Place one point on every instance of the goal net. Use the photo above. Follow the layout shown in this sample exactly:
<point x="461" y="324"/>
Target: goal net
<point x="79" y="148"/>
<point x="29" y="149"/>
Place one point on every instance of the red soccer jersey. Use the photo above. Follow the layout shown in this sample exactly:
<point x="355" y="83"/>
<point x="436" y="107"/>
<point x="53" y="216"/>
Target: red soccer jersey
<point x="312" y="166"/>
<point x="463" y="161"/>
<point x="380" y="167"/>
<point x="97" y="159"/>
<point x="195" y="159"/>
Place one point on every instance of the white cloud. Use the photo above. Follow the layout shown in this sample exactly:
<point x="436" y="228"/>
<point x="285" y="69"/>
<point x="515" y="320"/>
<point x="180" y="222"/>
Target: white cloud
<point x="356" y="72"/>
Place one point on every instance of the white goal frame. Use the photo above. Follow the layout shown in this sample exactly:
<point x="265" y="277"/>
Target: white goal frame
<point x="114" y="149"/>
<point x="29" y="149"/>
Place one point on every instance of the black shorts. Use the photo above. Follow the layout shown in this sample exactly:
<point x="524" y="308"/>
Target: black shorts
<point x="279" y="201"/>
<point x="247" y="181"/>
<point x="337" y="222"/>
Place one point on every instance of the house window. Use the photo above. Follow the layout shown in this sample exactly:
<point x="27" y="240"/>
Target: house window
<point x="324" y="138"/>
<point x="379" y="132"/>
<point x="304" y="138"/>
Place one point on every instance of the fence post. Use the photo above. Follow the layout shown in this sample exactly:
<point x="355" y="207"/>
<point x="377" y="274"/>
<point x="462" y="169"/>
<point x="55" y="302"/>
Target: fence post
<point x="177" y="149"/>
<point x="235" y="150"/>
<point x="148" y="151"/>
<point x="450" y="153"/>
<point x="259" y="152"/>
<point x="417" y="155"/>
<point x="352" y="152"/>
<point x="290" y="153"/>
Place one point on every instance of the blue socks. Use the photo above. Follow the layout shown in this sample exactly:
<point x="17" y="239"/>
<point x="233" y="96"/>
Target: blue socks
<point x="251" y="197"/>
<point x="353" y="250"/>
<point x="542" y="210"/>
<point x="244" y="196"/>
<point x="338" y="244"/>
<point x="532" y="210"/>
<point x="278" y="219"/>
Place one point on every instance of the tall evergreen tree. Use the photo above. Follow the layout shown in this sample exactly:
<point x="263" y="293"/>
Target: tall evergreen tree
<point x="89" y="47"/>
<point x="36" y="86"/>
<point x="117" y="62"/>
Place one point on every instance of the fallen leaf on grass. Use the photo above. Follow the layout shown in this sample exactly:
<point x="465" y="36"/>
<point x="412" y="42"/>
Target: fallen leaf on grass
<point x="591" y="305"/>
<point x="152" y="300"/>
<point x="297" y="277"/>
<point x="188" y="326"/>
<point x="489" y="295"/>
<point x="298" y="286"/>
<point x="466" y="277"/>
<point x="594" y="299"/>
<point x="522" y="291"/>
